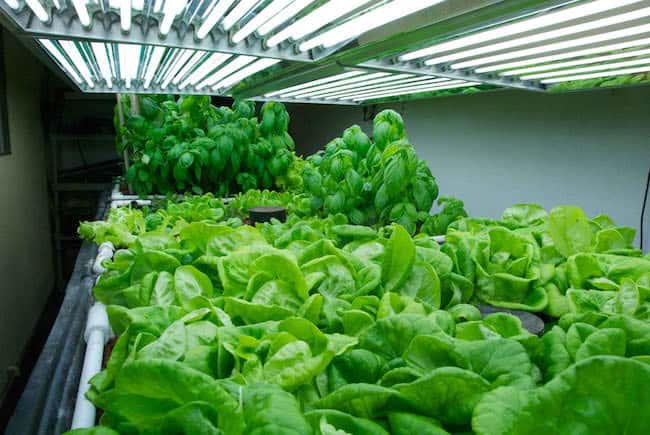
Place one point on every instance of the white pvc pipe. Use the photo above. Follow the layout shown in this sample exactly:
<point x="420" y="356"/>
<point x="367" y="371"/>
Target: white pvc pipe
<point x="124" y="203"/>
<point x="104" y="252"/>
<point x="97" y="333"/>
<point x="120" y="198"/>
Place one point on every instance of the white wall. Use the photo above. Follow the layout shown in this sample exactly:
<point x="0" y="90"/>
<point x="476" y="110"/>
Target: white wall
<point x="26" y="269"/>
<point x="495" y="149"/>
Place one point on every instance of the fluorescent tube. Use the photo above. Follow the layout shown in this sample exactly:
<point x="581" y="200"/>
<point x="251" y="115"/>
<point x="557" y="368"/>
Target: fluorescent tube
<point x="213" y="18"/>
<point x="259" y="19"/>
<point x="372" y="19"/>
<point x="587" y="69"/>
<point x="384" y="79"/>
<point x="594" y="39"/>
<point x="156" y="57"/>
<point x="242" y="74"/>
<point x="129" y="57"/>
<point x="540" y="37"/>
<point x="287" y="13"/>
<point x="505" y="30"/>
<point x="205" y="68"/>
<point x="192" y="61"/>
<point x="232" y="66"/>
<point x="597" y="75"/>
<point x="560" y="65"/>
<point x="338" y="83"/>
<point x="125" y="15"/>
<point x="564" y="55"/>
<point x="170" y="11"/>
<point x="316" y="82"/>
<point x="38" y="10"/>
<point x="78" y="61"/>
<point x="56" y="53"/>
<point x="382" y="88"/>
<point x="386" y="86"/>
<point x="241" y="8"/>
<point x="99" y="50"/>
<point x="316" y="19"/>
<point x="176" y="65"/>
<point x="409" y="86"/>
<point x="416" y="91"/>
<point x="82" y="12"/>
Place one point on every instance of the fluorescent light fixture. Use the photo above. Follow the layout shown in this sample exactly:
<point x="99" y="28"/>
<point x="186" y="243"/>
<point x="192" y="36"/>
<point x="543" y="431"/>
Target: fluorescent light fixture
<point x="213" y="18"/>
<point x="175" y="67"/>
<point x="242" y="74"/>
<point x="409" y="86"/>
<point x="594" y="39"/>
<point x="241" y="8"/>
<point x="129" y="57"/>
<point x="82" y="12"/>
<point x="587" y="69"/>
<point x="374" y="18"/>
<point x="125" y="15"/>
<point x="377" y="87"/>
<point x="560" y="65"/>
<point x="286" y="14"/>
<point x="619" y="72"/>
<point x="170" y="11"/>
<point x="56" y="53"/>
<point x="99" y="51"/>
<point x="415" y="90"/>
<point x="206" y="68"/>
<point x="316" y="19"/>
<point x="168" y="60"/>
<point x="503" y="31"/>
<point x="111" y="50"/>
<point x="540" y="37"/>
<point x="259" y="19"/>
<point x="38" y="9"/>
<point x="158" y="6"/>
<point x="564" y="55"/>
<point x="324" y="80"/>
<point x="385" y="87"/>
<point x="13" y="4"/>
<point x="232" y="66"/>
<point x="78" y="61"/>
<point x="152" y="67"/>
<point x="337" y="84"/>
<point x="193" y="60"/>
<point x="384" y="79"/>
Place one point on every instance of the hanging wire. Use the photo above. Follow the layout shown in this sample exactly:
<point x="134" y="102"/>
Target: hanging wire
<point x="645" y="199"/>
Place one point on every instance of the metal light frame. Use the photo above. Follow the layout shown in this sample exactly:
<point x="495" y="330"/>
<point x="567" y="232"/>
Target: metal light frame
<point x="379" y="49"/>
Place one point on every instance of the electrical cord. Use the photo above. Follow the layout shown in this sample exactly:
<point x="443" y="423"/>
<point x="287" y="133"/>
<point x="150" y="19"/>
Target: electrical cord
<point x="645" y="199"/>
<point x="369" y="113"/>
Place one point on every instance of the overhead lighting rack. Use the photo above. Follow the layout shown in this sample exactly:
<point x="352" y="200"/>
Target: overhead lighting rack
<point x="359" y="86"/>
<point x="137" y="68"/>
<point x="574" y="40"/>
<point x="299" y="30"/>
<point x="403" y="47"/>
<point x="145" y="42"/>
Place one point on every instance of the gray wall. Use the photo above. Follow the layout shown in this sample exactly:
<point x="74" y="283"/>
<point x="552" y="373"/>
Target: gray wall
<point x="492" y="150"/>
<point x="26" y="271"/>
